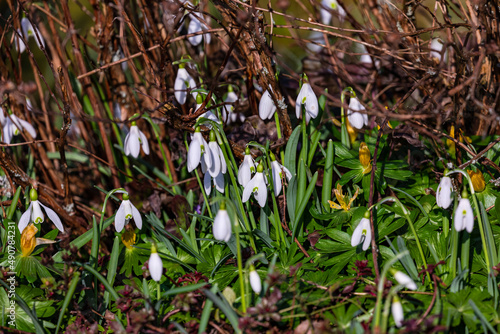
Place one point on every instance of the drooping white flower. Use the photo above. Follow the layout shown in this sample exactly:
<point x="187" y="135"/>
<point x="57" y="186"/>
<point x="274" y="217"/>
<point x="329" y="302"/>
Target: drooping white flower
<point x="196" y="26"/>
<point x="365" y="56"/>
<point x="12" y="125"/>
<point x="362" y="234"/>
<point x="34" y="213"/>
<point x="134" y="140"/>
<point x="255" y="282"/>
<point x="183" y="81"/>
<point x="27" y="30"/>
<point x="222" y="224"/>
<point x="228" y="116"/>
<point x="218" y="181"/>
<point x="307" y="98"/>
<point x="218" y="161"/>
<point x="443" y="193"/>
<point x="356" y="119"/>
<point x="405" y="280"/>
<point x="125" y="213"/>
<point x="277" y="171"/>
<point x="463" y="218"/>
<point x="326" y="8"/>
<point x="257" y="187"/>
<point x="436" y="48"/>
<point x="197" y="149"/>
<point x="247" y="168"/>
<point x="318" y="39"/>
<point x="397" y="311"/>
<point x="266" y="105"/>
<point x="155" y="265"/>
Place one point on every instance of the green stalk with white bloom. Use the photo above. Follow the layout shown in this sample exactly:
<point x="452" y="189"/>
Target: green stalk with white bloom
<point x="489" y="257"/>
<point x="344" y="135"/>
<point x="380" y="290"/>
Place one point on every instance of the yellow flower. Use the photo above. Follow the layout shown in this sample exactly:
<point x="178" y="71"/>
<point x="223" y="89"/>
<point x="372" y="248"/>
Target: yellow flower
<point x="365" y="158"/>
<point x="451" y="144"/>
<point x="128" y="239"/>
<point x="28" y="240"/>
<point x="353" y="133"/>
<point x="477" y="180"/>
<point x="344" y="201"/>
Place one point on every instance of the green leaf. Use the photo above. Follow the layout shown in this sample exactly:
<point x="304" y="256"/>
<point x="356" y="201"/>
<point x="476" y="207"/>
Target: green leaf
<point x="291" y="151"/>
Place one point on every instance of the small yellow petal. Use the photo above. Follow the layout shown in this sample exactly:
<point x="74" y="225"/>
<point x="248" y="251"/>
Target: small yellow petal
<point x="477" y="180"/>
<point x="365" y="158"/>
<point x="334" y="205"/>
<point x="128" y="239"/>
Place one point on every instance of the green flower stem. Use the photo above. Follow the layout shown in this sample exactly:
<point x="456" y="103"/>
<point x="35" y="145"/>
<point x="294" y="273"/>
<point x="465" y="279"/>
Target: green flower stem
<point x="454" y="253"/>
<point x="305" y="141"/>
<point x="412" y="227"/>
<point x="388" y="301"/>
<point x="225" y="149"/>
<point x="344" y="135"/>
<point x="240" y="265"/>
<point x="446" y="224"/>
<point x="479" y="218"/>
<point x="165" y="161"/>
<point x="158" y="291"/>
<point x="280" y="234"/>
<point x="278" y="130"/>
<point x="380" y="290"/>
<point x="464" y="258"/>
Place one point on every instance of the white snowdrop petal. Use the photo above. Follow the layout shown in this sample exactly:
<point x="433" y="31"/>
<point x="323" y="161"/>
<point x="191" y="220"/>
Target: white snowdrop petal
<point x="194" y="155"/>
<point x="397" y="312"/>
<point x="213" y="150"/>
<point x="266" y="106"/>
<point x="443" y="193"/>
<point x="221" y="225"/>
<point x="144" y="142"/>
<point x="120" y="218"/>
<point x="53" y="217"/>
<point x="37" y="214"/>
<point x="219" y="182"/>
<point x="207" y="183"/>
<point x="155" y="266"/>
<point x="276" y="170"/>
<point x="137" y="216"/>
<point x="27" y="126"/>
<point x="25" y="218"/>
<point x="255" y="282"/>
<point x="405" y="280"/>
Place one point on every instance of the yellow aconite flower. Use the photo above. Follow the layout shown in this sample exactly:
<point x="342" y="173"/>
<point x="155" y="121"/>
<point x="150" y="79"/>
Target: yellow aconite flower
<point x="344" y="201"/>
<point x="29" y="241"/>
<point x="365" y="158"/>
<point x="353" y="133"/>
<point x="477" y="180"/>
<point x="128" y="239"/>
<point x="451" y="144"/>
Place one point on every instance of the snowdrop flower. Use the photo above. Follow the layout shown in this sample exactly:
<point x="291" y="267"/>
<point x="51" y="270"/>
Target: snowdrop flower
<point x="12" y="125"/>
<point x="255" y="282"/>
<point x="326" y="8"/>
<point x="27" y="30"/>
<point x="318" y="39"/>
<point x="397" y="311"/>
<point x="257" y="187"/>
<point x="134" y="140"/>
<point x="405" y="280"/>
<point x="266" y="105"/>
<point x="183" y="81"/>
<point x="222" y="224"/>
<point x="436" y="47"/>
<point x="34" y="214"/>
<point x="29" y="240"/>
<point x="443" y="193"/>
<point x="463" y="218"/>
<point x="307" y="98"/>
<point x="218" y="181"/>
<point x="247" y="168"/>
<point x="155" y="264"/>
<point x="125" y="213"/>
<point x="362" y="233"/>
<point x="197" y="149"/>
<point x="218" y="161"/>
<point x="209" y="115"/>
<point x="228" y="115"/>
<point x="356" y="119"/>
<point x="196" y="26"/>
<point x="277" y="170"/>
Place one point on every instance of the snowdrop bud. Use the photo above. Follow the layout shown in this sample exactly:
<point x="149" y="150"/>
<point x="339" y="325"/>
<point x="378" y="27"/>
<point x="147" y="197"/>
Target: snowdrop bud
<point x="463" y="219"/>
<point x="255" y="282"/>
<point x="355" y="117"/>
<point x="362" y="233"/>
<point x="222" y="224"/>
<point x="443" y="193"/>
<point x="155" y="265"/>
<point x="436" y="47"/>
<point x="267" y="108"/>
<point x="405" y="280"/>
<point x="397" y="311"/>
